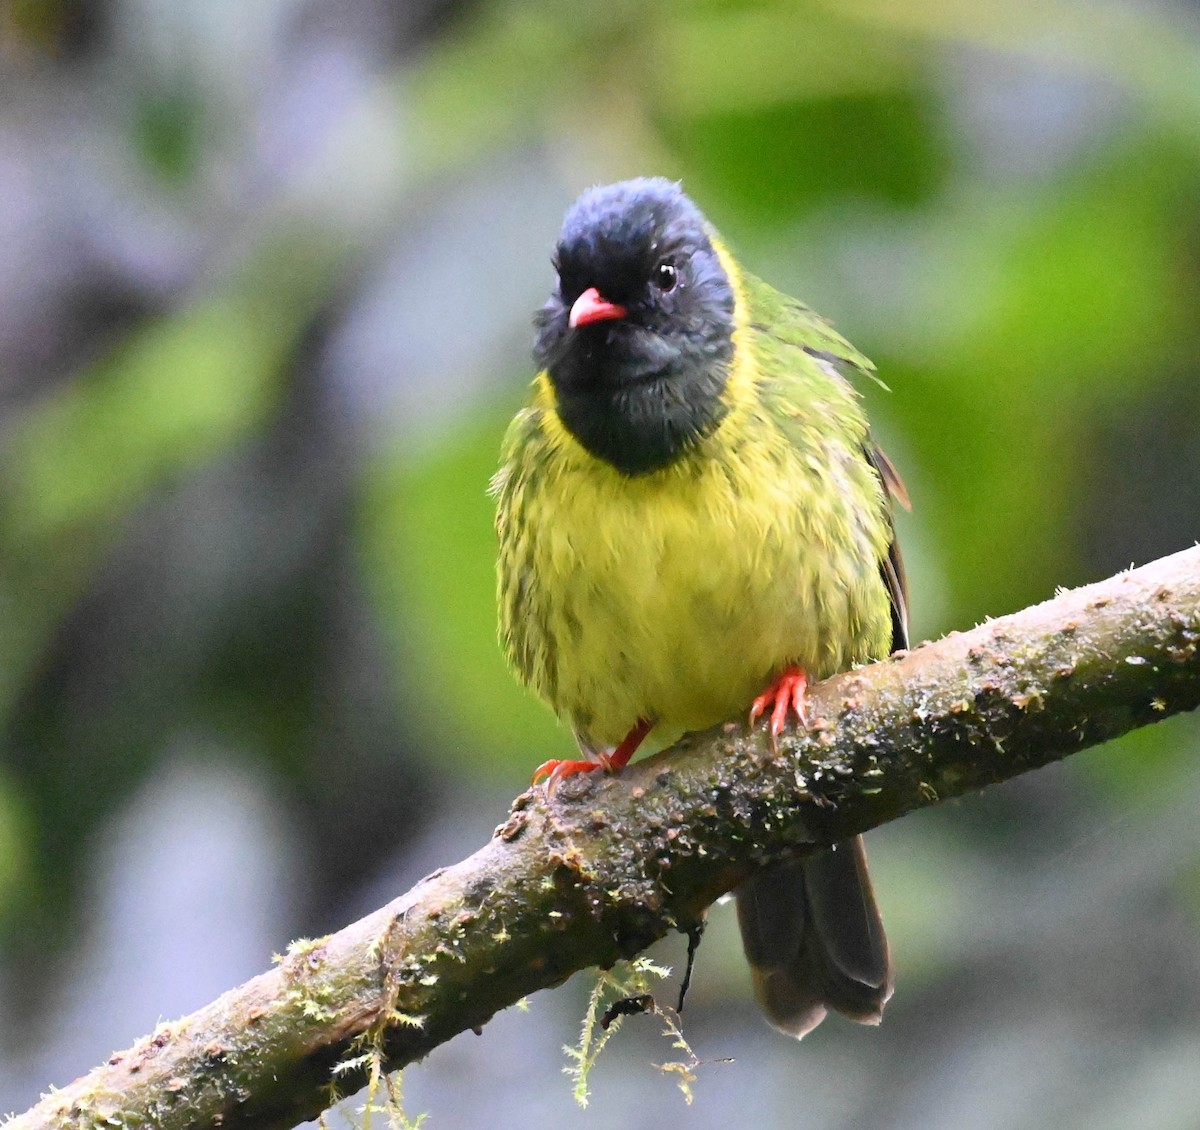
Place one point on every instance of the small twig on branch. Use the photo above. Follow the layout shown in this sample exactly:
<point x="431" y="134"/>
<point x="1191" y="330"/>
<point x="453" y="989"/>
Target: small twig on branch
<point x="608" y="865"/>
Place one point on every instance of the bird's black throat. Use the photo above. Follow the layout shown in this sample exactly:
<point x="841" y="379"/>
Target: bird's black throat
<point x="636" y="416"/>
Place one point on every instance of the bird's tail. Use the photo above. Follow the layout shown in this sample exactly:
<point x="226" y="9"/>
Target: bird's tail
<point x="814" y="939"/>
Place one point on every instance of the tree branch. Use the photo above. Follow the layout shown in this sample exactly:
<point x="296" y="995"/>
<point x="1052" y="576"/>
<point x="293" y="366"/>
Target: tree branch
<point x="607" y="865"/>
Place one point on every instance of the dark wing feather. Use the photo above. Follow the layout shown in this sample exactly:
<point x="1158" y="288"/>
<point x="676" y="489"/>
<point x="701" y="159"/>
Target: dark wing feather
<point x="892" y="566"/>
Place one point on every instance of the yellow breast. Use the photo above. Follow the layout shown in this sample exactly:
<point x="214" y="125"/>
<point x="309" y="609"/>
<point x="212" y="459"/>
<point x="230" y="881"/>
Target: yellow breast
<point x="674" y="596"/>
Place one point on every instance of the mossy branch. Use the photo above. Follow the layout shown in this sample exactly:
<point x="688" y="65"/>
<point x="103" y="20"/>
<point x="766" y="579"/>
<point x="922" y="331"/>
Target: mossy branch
<point x="606" y="866"/>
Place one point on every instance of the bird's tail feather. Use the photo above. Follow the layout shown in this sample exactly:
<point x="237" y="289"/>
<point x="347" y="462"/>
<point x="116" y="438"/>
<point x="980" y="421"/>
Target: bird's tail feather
<point x="814" y="939"/>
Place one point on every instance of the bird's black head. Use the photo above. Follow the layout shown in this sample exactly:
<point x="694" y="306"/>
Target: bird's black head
<point x="638" y="335"/>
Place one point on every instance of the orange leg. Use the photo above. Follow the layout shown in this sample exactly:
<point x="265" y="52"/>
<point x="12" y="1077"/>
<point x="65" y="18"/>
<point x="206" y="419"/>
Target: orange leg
<point x="786" y="693"/>
<point x="610" y="762"/>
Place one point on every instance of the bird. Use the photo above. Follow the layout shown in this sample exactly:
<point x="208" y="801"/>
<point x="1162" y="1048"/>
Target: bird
<point x="693" y="521"/>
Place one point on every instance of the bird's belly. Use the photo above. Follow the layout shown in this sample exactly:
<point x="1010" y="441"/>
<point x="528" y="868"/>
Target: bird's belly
<point x="680" y="609"/>
<point x="689" y="653"/>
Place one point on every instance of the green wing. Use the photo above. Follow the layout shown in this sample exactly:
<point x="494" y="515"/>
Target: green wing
<point x="790" y="323"/>
<point x="804" y="360"/>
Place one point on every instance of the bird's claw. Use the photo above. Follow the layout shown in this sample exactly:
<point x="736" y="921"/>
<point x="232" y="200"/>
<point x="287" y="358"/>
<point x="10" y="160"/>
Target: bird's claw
<point x="786" y="693"/>
<point x="556" y="770"/>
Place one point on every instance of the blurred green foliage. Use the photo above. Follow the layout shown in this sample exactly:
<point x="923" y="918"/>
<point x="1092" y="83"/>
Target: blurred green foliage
<point x="178" y="392"/>
<point x="428" y="546"/>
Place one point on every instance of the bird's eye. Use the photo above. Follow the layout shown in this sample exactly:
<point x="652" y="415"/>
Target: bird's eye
<point x="665" y="276"/>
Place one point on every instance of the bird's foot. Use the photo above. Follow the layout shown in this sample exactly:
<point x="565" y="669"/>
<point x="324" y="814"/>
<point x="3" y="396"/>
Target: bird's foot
<point x="787" y="693"/>
<point x="555" y="770"/>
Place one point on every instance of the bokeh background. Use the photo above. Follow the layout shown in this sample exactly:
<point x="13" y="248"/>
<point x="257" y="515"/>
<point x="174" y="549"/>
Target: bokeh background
<point x="266" y="272"/>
